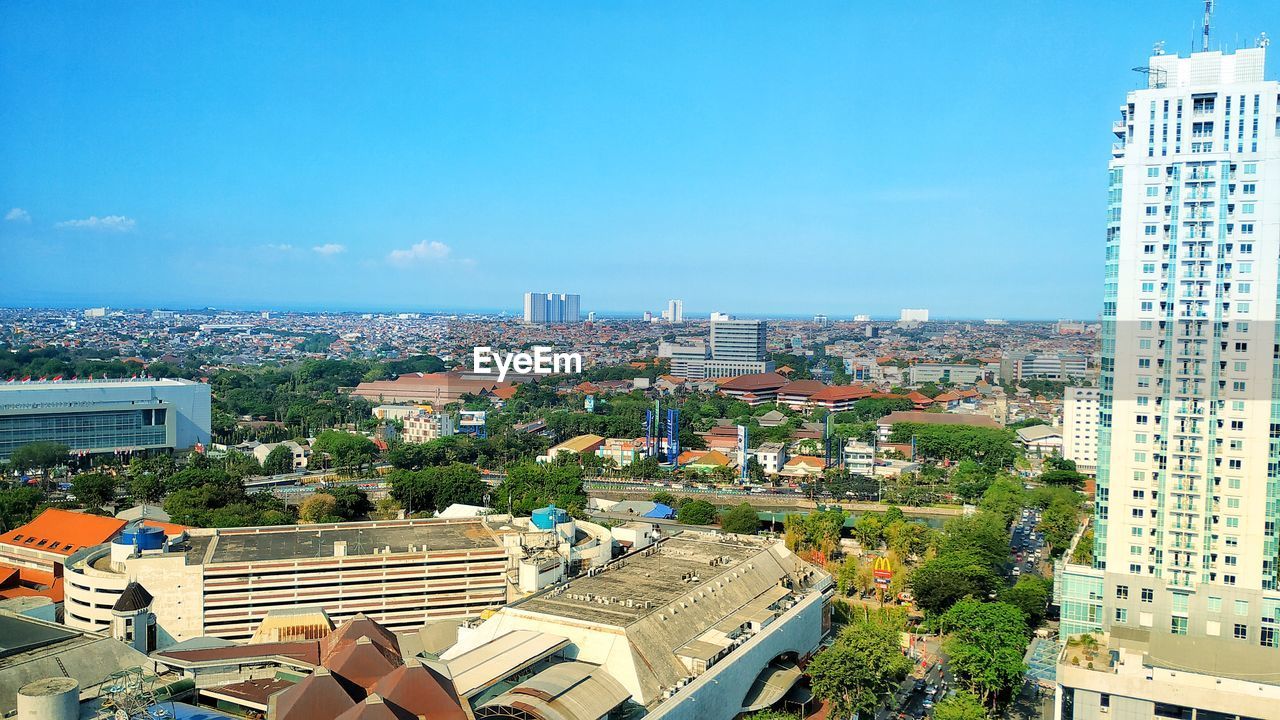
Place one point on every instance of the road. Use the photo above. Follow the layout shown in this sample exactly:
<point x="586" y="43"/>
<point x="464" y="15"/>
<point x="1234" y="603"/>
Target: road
<point x="1027" y="545"/>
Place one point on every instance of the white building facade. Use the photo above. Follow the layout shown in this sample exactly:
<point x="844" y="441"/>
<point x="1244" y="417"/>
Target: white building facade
<point x="1080" y="428"/>
<point x="1188" y="497"/>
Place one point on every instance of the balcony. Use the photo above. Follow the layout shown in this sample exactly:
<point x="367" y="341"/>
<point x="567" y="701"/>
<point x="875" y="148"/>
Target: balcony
<point x="1120" y="128"/>
<point x="1117" y="150"/>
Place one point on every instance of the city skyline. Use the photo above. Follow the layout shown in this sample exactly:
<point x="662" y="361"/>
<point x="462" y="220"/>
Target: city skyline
<point x="480" y="157"/>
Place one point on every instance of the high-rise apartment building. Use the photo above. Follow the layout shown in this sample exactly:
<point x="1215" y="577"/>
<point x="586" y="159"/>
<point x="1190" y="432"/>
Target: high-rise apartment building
<point x="914" y="315"/>
<point x="675" y="311"/>
<point x="1184" y="573"/>
<point x="1080" y="428"/>
<point x="551" y="308"/>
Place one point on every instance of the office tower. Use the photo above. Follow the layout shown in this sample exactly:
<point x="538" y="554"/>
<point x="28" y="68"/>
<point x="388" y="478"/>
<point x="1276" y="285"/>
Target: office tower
<point x="737" y="348"/>
<point x="1183" y="576"/>
<point x="1017" y="366"/>
<point x="551" y="308"/>
<point x="918" y="315"/>
<point x="739" y="340"/>
<point x="1080" y="428"/>
<point x="675" y="311"/>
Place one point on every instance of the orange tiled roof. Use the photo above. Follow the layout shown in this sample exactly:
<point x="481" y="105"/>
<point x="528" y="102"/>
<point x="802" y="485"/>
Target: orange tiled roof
<point x="63" y="532"/>
<point x="168" y="528"/>
<point x="836" y="393"/>
<point x="504" y="393"/>
<point x="714" y="457"/>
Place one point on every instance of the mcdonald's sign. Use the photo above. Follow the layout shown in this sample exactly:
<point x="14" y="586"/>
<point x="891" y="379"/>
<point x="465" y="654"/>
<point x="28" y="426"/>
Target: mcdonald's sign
<point x="882" y="571"/>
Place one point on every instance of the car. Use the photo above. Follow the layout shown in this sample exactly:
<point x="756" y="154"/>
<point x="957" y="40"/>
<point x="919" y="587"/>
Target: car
<point x="927" y="705"/>
<point x="1017" y="571"/>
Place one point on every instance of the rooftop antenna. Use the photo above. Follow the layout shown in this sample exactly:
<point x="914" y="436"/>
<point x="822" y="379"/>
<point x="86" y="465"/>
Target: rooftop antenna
<point x="1208" y="13"/>
<point x="1263" y="40"/>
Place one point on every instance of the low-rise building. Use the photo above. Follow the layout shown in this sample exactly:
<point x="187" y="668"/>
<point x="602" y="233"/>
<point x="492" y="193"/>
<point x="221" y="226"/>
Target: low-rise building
<point x="772" y="457"/>
<point x="695" y="627"/>
<point x="955" y="374"/>
<point x="755" y="390"/>
<point x="421" y="426"/>
<point x="301" y="454"/>
<point x="222" y="582"/>
<point x="580" y="445"/>
<point x="1041" y="440"/>
<point x="859" y="457"/>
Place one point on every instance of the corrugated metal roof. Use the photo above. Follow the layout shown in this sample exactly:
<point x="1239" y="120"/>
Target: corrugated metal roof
<point x="567" y="691"/>
<point x="482" y="666"/>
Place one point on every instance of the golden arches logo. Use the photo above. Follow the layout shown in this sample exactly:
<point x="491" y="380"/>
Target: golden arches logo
<point x="882" y="565"/>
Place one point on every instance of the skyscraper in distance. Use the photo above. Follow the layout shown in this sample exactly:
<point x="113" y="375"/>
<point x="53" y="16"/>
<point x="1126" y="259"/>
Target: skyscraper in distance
<point x="675" y="311"/>
<point x="551" y="308"/>
<point x="1183" y="577"/>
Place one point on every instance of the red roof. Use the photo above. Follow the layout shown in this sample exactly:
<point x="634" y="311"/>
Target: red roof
<point x="504" y="392"/>
<point x="837" y="393"/>
<point x="754" y="382"/>
<point x="63" y="532"/>
<point x="919" y="398"/>
<point x="28" y="582"/>
<point x="803" y="388"/>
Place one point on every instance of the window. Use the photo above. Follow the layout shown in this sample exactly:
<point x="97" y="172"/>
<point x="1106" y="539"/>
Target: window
<point x="1242" y="607"/>
<point x="1179" y="602"/>
<point x="1153" y="172"/>
<point x="1246" y="248"/>
<point x="1267" y="638"/>
<point x="1250" y="169"/>
<point x="1122" y="592"/>
<point x="1152" y="210"/>
<point x="1153" y="191"/>
<point x="1148" y="595"/>
<point x="1233" y="522"/>
<point x="1244" y="288"/>
<point x="1215" y="604"/>
<point x="1249" y="188"/>
<point x="1151" y="287"/>
<point x="1247" y="208"/>
<point x="1149" y="230"/>
<point x="1246" y="268"/>
<point x="1246" y="228"/>
<point x="1136" y="513"/>
<point x="1146" y="306"/>
<point x="1148" y="268"/>
<point x="1178" y="625"/>
<point x="1241" y="631"/>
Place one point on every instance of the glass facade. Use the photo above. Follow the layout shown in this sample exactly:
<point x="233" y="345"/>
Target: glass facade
<point x="1081" y="600"/>
<point x="87" y="430"/>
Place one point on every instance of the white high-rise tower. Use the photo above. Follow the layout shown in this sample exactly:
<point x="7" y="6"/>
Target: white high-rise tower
<point x="1185" y="547"/>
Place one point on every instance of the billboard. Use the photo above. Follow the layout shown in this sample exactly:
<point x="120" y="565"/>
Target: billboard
<point x="673" y="435"/>
<point x="742" y="451"/>
<point x="883" y="571"/>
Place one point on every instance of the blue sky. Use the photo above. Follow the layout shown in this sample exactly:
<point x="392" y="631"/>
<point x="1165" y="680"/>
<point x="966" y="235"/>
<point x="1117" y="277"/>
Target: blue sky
<point x="746" y="157"/>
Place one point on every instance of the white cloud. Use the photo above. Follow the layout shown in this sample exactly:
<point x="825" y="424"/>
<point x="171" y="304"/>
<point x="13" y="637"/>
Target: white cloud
<point x="107" y="223"/>
<point x="330" y="249"/>
<point x="425" y="251"/>
<point x="18" y="215"/>
<point x="282" y="247"/>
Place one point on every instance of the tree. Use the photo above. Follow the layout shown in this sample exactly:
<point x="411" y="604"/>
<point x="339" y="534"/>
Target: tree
<point x="317" y="508"/>
<point x="1070" y="478"/>
<point x="279" y="461"/>
<point x="529" y="486"/>
<point x="348" y="450"/>
<point x="387" y="509"/>
<point x="43" y="456"/>
<point x="696" y="512"/>
<point x="742" y="519"/>
<point x="18" y="506"/>
<point x="983" y="534"/>
<point x="146" y="488"/>
<point x="350" y="502"/>
<point x="664" y="498"/>
<point x="93" y="490"/>
<point x="950" y="577"/>
<point x="970" y="480"/>
<point x="986" y="645"/>
<point x="868" y="530"/>
<point x="433" y="489"/>
<point x="963" y="705"/>
<point x="993" y="448"/>
<point x="861" y="670"/>
<point x="1031" y="596"/>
